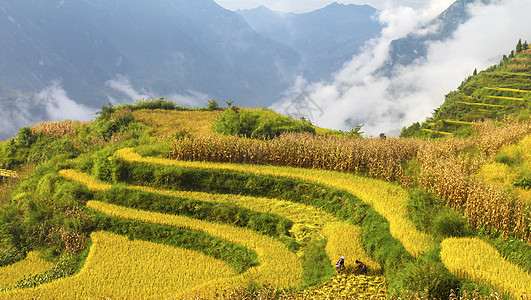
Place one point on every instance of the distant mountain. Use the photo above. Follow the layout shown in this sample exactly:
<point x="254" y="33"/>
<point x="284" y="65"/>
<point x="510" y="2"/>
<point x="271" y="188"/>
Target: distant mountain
<point x="325" y="38"/>
<point x="162" y="47"/>
<point x="413" y="46"/>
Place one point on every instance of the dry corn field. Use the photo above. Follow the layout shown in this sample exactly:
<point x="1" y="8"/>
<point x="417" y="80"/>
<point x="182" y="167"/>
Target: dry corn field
<point x="477" y="260"/>
<point x="62" y="128"/>
<point x="445" y="167"/>
<point x="376" y="157"/>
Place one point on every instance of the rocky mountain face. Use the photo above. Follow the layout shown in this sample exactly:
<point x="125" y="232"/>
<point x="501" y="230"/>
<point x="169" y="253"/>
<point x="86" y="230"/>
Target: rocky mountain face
<point x="325" y="38"/>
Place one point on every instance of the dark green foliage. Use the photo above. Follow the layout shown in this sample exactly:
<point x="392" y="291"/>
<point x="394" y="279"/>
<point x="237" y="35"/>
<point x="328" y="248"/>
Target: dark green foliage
<point x="316" y="264"/>
<point x="426" y="276"/>
<point x="264" y="223"/>
<point x="516" y="251"/>
<point x="213" y="105"/>
<point x="423" y="207"/>
<point x="449" y="223"/>
<point x="523" y="182"/>
<point x="10" y="256"/>
<point x="238" y="257"/>
<point x="159" y="103"/>
<point x="519" y="46"/>
<point x="259" y="123"/>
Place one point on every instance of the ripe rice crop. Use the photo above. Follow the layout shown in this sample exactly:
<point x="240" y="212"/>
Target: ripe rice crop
<point x="508" y="90"/>
<point x="477" y="260"/>
<point x="31" y="265"/>
<point x="278" y="266"/>
<point x="8" y="173"/>
<point x="118" y="268"/>
<point x="506" y="98"/>
<point x="92" y="183"/>
<point x="345" y="240"/>
<point x="347" y="287"/>
<point x="164" y="124"/>
<point x="388" y="199"/>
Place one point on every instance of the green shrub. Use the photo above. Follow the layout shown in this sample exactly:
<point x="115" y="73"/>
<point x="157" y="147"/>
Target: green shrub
<point x="423" y="207"/>
<point x="316" y="264"/>
<point x="449" y="223"/>
<point x="258" y="123"/>
<point x="427" y="277"/>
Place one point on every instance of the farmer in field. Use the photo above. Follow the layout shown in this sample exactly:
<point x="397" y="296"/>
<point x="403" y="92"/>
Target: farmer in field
<point x="362" y="267"/>
<point x="340" y="264"/>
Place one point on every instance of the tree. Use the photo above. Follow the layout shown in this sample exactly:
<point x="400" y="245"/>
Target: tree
<point x="525" y="46"/>
<point x="475" y="72"/>
<point x="519" y="46"/>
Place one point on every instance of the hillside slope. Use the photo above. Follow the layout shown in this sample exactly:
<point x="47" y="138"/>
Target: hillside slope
<point x="499" y="91"/>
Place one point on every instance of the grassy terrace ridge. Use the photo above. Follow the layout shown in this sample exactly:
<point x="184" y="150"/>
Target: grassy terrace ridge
<point x="388" y="199"/>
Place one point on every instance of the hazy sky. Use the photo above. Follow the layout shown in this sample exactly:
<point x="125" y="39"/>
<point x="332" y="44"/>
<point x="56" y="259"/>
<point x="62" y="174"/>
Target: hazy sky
<point x="309" y="5"/>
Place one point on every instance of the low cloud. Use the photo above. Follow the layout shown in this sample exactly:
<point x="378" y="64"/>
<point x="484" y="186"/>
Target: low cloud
<point x="50" y="104"/>
<point x="124" y="92"/>
<point x="357" y="96"/>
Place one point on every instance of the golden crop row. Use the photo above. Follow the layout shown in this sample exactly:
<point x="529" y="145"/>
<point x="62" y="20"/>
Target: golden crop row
<point x="92" y="183"/>
<point x="343" y="239"/>
<point x="118" y="268"/>
<point x="477" y="260"/>
<point x="388" y="199"/>
<point x="376" y="157"/>
<point x="507" y="89"/>
<point x="8" y="173"/>
<point x="278" y="266"/>
<point x="31" y="265"/>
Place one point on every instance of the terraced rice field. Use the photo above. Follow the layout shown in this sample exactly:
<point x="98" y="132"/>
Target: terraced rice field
<point x="31" y="265"/>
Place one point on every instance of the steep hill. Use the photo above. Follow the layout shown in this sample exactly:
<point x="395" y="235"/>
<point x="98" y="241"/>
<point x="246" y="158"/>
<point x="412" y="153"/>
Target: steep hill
<point x="143" y="208"/>
<point x="499" y="91"/>
<point x="325" y="38"/>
